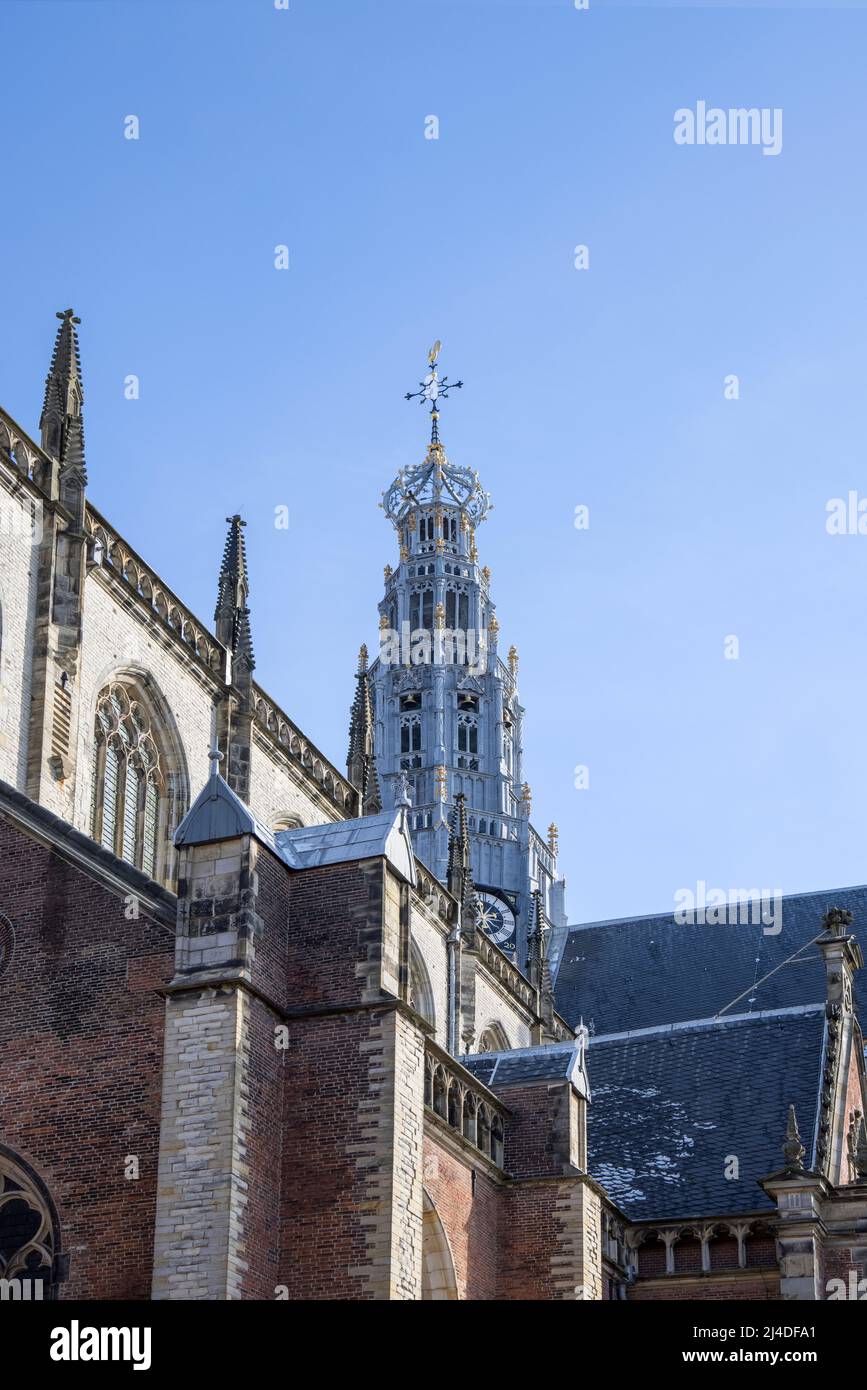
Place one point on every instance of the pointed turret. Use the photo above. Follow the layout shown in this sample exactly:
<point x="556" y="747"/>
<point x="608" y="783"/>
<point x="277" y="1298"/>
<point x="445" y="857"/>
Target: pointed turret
<point x="64" y="398"/>
<point x="459" y="879"/>
<point x="235" y="711"/>
<point x="793" y="1149"/>
<point x="231" y="613"/>
<point x="539" y="971"/>
<point x="62" y="566"/>
<point x="244" y="658"/>
<point x="360" y="763"/>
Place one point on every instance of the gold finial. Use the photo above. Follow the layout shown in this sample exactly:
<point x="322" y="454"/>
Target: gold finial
<point x="553" y="839"/>
<point x="439" y="616"/>
<point x="486" y="574"/>
<point x="527" y="796"/>
<point x="493" y="625"/>
<point x="404" y="553"/>
<point x="465" y="522"/>
<point x="388" y="572"/>
<point x="441" y="778"/>
<point x="513" y="659"/>
<point x="441" y="545"/>
<point x="362" y="652"/>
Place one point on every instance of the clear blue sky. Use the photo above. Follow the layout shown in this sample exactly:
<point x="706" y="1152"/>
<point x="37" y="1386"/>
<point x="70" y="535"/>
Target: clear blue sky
<point x="261" y="388"/>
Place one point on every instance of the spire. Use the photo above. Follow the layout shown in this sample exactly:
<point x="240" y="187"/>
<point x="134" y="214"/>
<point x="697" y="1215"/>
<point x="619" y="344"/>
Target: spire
<point x="360" y="763"/>
<point x="459" y="877"/>
<point x="793" y="1149"/>
<point x="231" y="614"/>
<point x="538" y="970"/>
<point x="60" y="423"/>
<point x="244" y="642"/>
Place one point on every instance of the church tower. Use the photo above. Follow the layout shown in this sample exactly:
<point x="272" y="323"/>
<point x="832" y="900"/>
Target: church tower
<point x="447" y="715"/>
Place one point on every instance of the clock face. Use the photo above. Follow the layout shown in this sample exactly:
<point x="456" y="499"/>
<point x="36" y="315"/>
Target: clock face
<point x="497" y="919"/>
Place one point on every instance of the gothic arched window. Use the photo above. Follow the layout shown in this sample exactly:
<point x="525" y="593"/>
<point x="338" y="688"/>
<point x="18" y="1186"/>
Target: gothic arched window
<point x="410" y="740"/>
<point x="494" y="1039"/>
<point x="420" y="990"/>
<point x="29" y="1234"/>
<point x="468" y="742"/>
<point x="128" y="786"/>
<point x="421" y="608"/>
<point x="457" y="609"/>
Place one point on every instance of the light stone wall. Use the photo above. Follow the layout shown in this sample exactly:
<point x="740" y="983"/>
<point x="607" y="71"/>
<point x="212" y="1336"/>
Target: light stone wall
<point x="494" y="1007"/>
<point x="576" y="1259"/>
<point x="202" y="1178"/>
<point x="275" y="793"/>
<point x="114" y="641"/>
<point x="389" y="1158"/>
<point x="19" y="559"/>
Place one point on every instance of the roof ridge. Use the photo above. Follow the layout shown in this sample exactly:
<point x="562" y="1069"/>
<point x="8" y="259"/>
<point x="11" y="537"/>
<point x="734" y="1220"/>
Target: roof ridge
<point x="716" y="1020"/>
<point x="660" y="916"/>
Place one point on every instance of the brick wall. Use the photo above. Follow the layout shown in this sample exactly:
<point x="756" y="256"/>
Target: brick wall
<point x="470" y="1211"/>
<point x="81" y="1036"/>
<point x="352" y="1157"/>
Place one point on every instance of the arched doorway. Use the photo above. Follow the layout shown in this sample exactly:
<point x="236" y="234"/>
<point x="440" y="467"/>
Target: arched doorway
<point x="438" y="1268"/>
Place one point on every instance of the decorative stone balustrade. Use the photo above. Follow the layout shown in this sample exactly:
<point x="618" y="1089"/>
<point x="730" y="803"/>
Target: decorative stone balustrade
<point x="467" y="1108"/>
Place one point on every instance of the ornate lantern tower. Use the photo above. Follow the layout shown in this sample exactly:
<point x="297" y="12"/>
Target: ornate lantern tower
<point x="447" y="717"/>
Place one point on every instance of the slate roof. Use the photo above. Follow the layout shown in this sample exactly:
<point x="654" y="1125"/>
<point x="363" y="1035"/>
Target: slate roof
<point x="670" y="1106"/>
<point x="642" y="972"/>
<point x="527" y="1066"/>
<point x="368" y="837"/>
<point x="219" y="814"/>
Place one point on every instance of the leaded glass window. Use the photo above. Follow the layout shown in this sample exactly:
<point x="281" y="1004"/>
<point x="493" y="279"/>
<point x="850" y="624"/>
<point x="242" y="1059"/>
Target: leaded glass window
<point x="127" y="781"/>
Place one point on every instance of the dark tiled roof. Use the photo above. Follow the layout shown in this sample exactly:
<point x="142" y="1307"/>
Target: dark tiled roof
<point x="526" y="1065"/>
<point x="670" y="1107"/>
<point x="638" y="973"/>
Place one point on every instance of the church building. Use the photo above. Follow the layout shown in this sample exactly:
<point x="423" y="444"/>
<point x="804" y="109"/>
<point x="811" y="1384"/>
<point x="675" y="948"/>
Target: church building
<point x="272" y="1030"/>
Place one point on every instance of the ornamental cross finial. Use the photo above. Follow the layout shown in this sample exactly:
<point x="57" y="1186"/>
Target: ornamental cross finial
<point x="433" y="389"/>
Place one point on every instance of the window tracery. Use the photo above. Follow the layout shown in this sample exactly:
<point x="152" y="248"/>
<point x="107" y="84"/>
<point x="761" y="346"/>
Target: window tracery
<point x="128" y="784"/>
<point x="28" y="1228"/>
